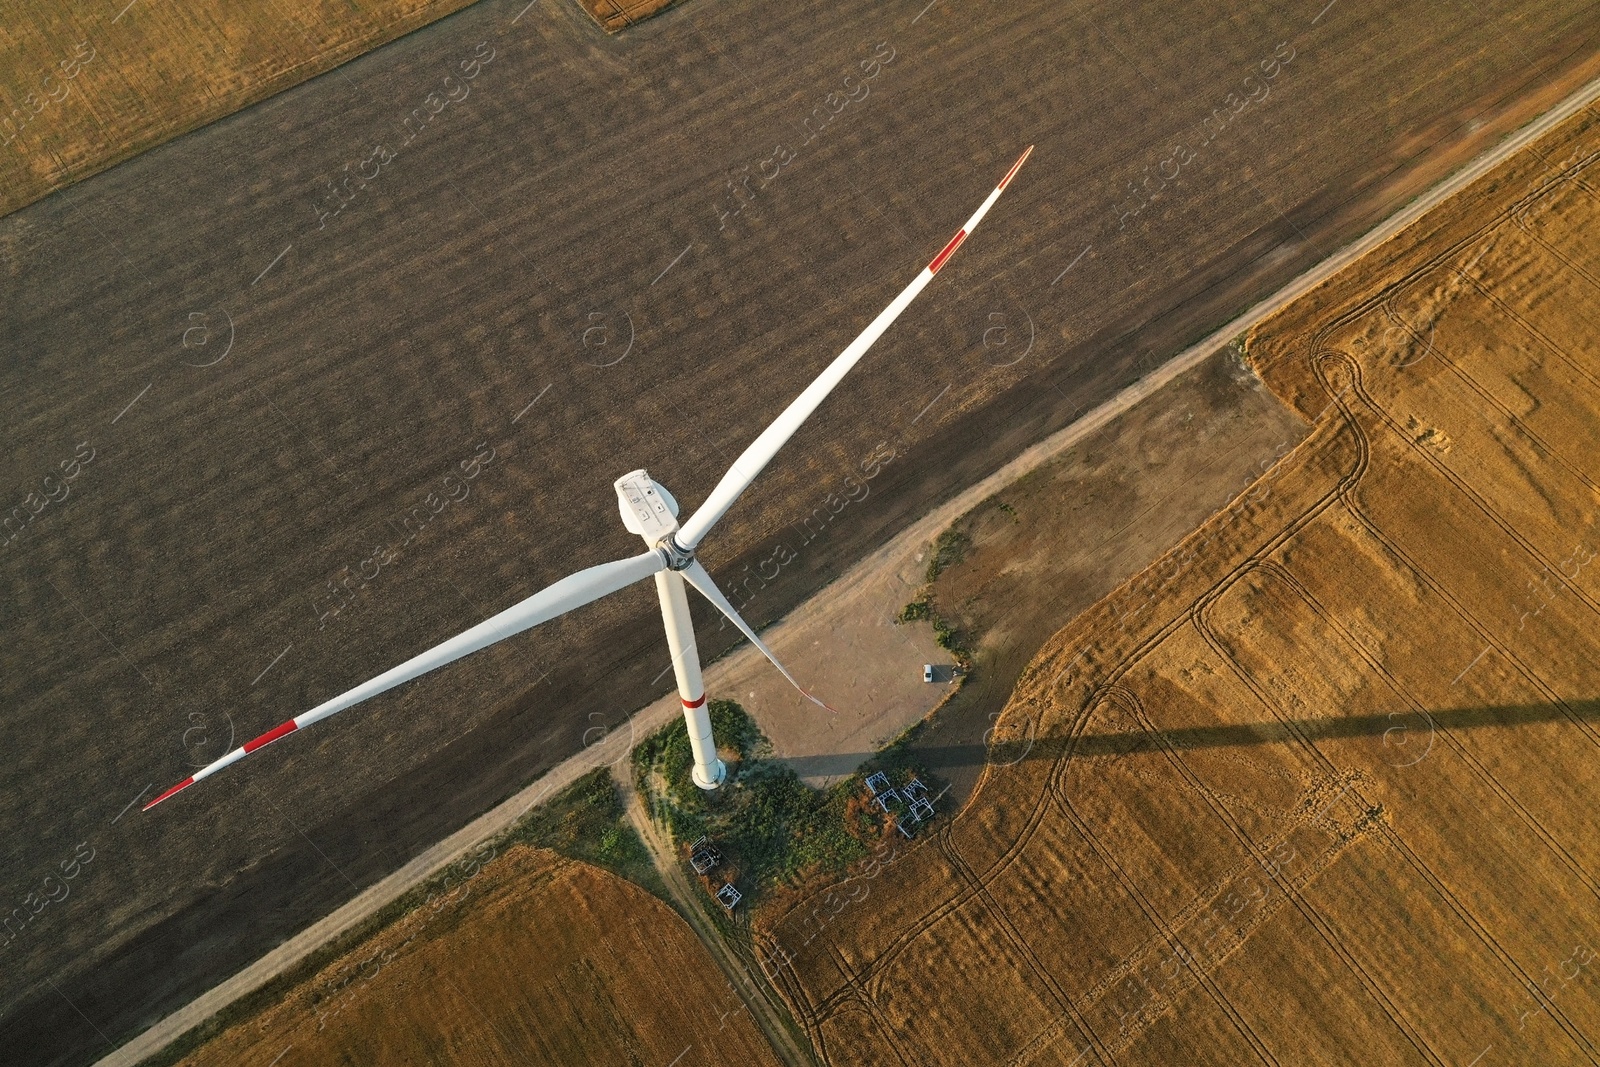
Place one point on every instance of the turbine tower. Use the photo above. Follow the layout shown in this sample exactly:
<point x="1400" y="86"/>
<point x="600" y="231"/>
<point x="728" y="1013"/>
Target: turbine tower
<point x="651" y="512"/>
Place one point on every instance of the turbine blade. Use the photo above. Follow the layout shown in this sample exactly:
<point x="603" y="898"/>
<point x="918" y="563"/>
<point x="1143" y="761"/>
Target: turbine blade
<point x="697" y="576"/>
<point x="571" y="592"/>
<point x="760" y="453"/>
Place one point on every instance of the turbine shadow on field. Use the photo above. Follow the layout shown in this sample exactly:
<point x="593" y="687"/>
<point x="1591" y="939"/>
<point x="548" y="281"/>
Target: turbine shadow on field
<point x="1407" y="735"/>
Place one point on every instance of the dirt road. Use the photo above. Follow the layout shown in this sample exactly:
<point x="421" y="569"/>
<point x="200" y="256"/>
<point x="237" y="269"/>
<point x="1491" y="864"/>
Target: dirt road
<point x="688" y="898"/>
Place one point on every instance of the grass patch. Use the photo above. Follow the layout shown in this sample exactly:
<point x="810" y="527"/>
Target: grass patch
<point x="918" y="609"/>
<point x="587" y="821"/>
<point x="950" y="549"/>
<point x="772" y="827"/>
<point x="949" y="638"/>
<point x="774" y="831"/>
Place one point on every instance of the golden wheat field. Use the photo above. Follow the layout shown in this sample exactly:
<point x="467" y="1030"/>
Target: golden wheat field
<point x="540" y="960"/>
<point x="1319" y="786"/>
<point x="614" y="16"/>
<point x="86" y="85"/>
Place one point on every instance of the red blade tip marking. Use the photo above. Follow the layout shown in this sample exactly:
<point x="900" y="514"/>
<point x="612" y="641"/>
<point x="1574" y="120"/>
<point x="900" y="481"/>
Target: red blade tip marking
<point x="1012" y="173"/>
<point x="694" y="703"/>
<point x="185" y="784"/>
<point x="819" y="703"/>
<point x="949" y="250"/>
<point x="271" y="736"/>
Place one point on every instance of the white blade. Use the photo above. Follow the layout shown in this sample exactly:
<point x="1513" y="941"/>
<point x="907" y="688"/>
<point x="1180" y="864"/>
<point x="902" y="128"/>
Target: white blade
<point x="573" y="591"/>
<point x="760" y="453"/>
<point x="697" y="576"/>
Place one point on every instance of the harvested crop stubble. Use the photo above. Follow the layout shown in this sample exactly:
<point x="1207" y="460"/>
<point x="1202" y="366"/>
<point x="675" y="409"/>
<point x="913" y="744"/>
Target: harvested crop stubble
<point x="553" y="962"/>
<point x="1320" y="786"/>
<point x="614" y="16"/>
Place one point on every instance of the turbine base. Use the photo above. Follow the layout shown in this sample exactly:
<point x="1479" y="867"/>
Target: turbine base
<point x="721" y="776"/>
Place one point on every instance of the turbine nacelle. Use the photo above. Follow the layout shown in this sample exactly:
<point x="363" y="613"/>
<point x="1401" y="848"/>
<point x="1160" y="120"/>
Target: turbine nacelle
<point x="647" y="508"/>
<point x="651" y="512"/>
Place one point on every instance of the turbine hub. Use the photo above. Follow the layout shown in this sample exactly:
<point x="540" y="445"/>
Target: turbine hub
<point x="678" y="557"/>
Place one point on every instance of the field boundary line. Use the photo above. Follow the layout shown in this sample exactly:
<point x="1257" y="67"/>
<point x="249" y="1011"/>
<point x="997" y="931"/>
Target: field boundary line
<point x="908" y="541"/>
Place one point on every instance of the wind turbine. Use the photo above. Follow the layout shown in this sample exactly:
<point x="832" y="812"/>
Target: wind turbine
<point x="649" y="511"/>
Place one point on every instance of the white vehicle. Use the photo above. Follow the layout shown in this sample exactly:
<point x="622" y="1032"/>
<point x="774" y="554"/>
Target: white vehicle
<point x="927" y="672"/>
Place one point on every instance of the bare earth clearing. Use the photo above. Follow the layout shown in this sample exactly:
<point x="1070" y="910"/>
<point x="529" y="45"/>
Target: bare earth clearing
<point x="1051" y="544"/>
<point x="276" y="382"/>
<point x="1319" y="786"/>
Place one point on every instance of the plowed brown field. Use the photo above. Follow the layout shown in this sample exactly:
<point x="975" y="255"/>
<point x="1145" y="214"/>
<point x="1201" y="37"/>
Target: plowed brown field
<point x="553" y="962"/>
<point x="153" y="71"/>
<point x="1319" y="786"/>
